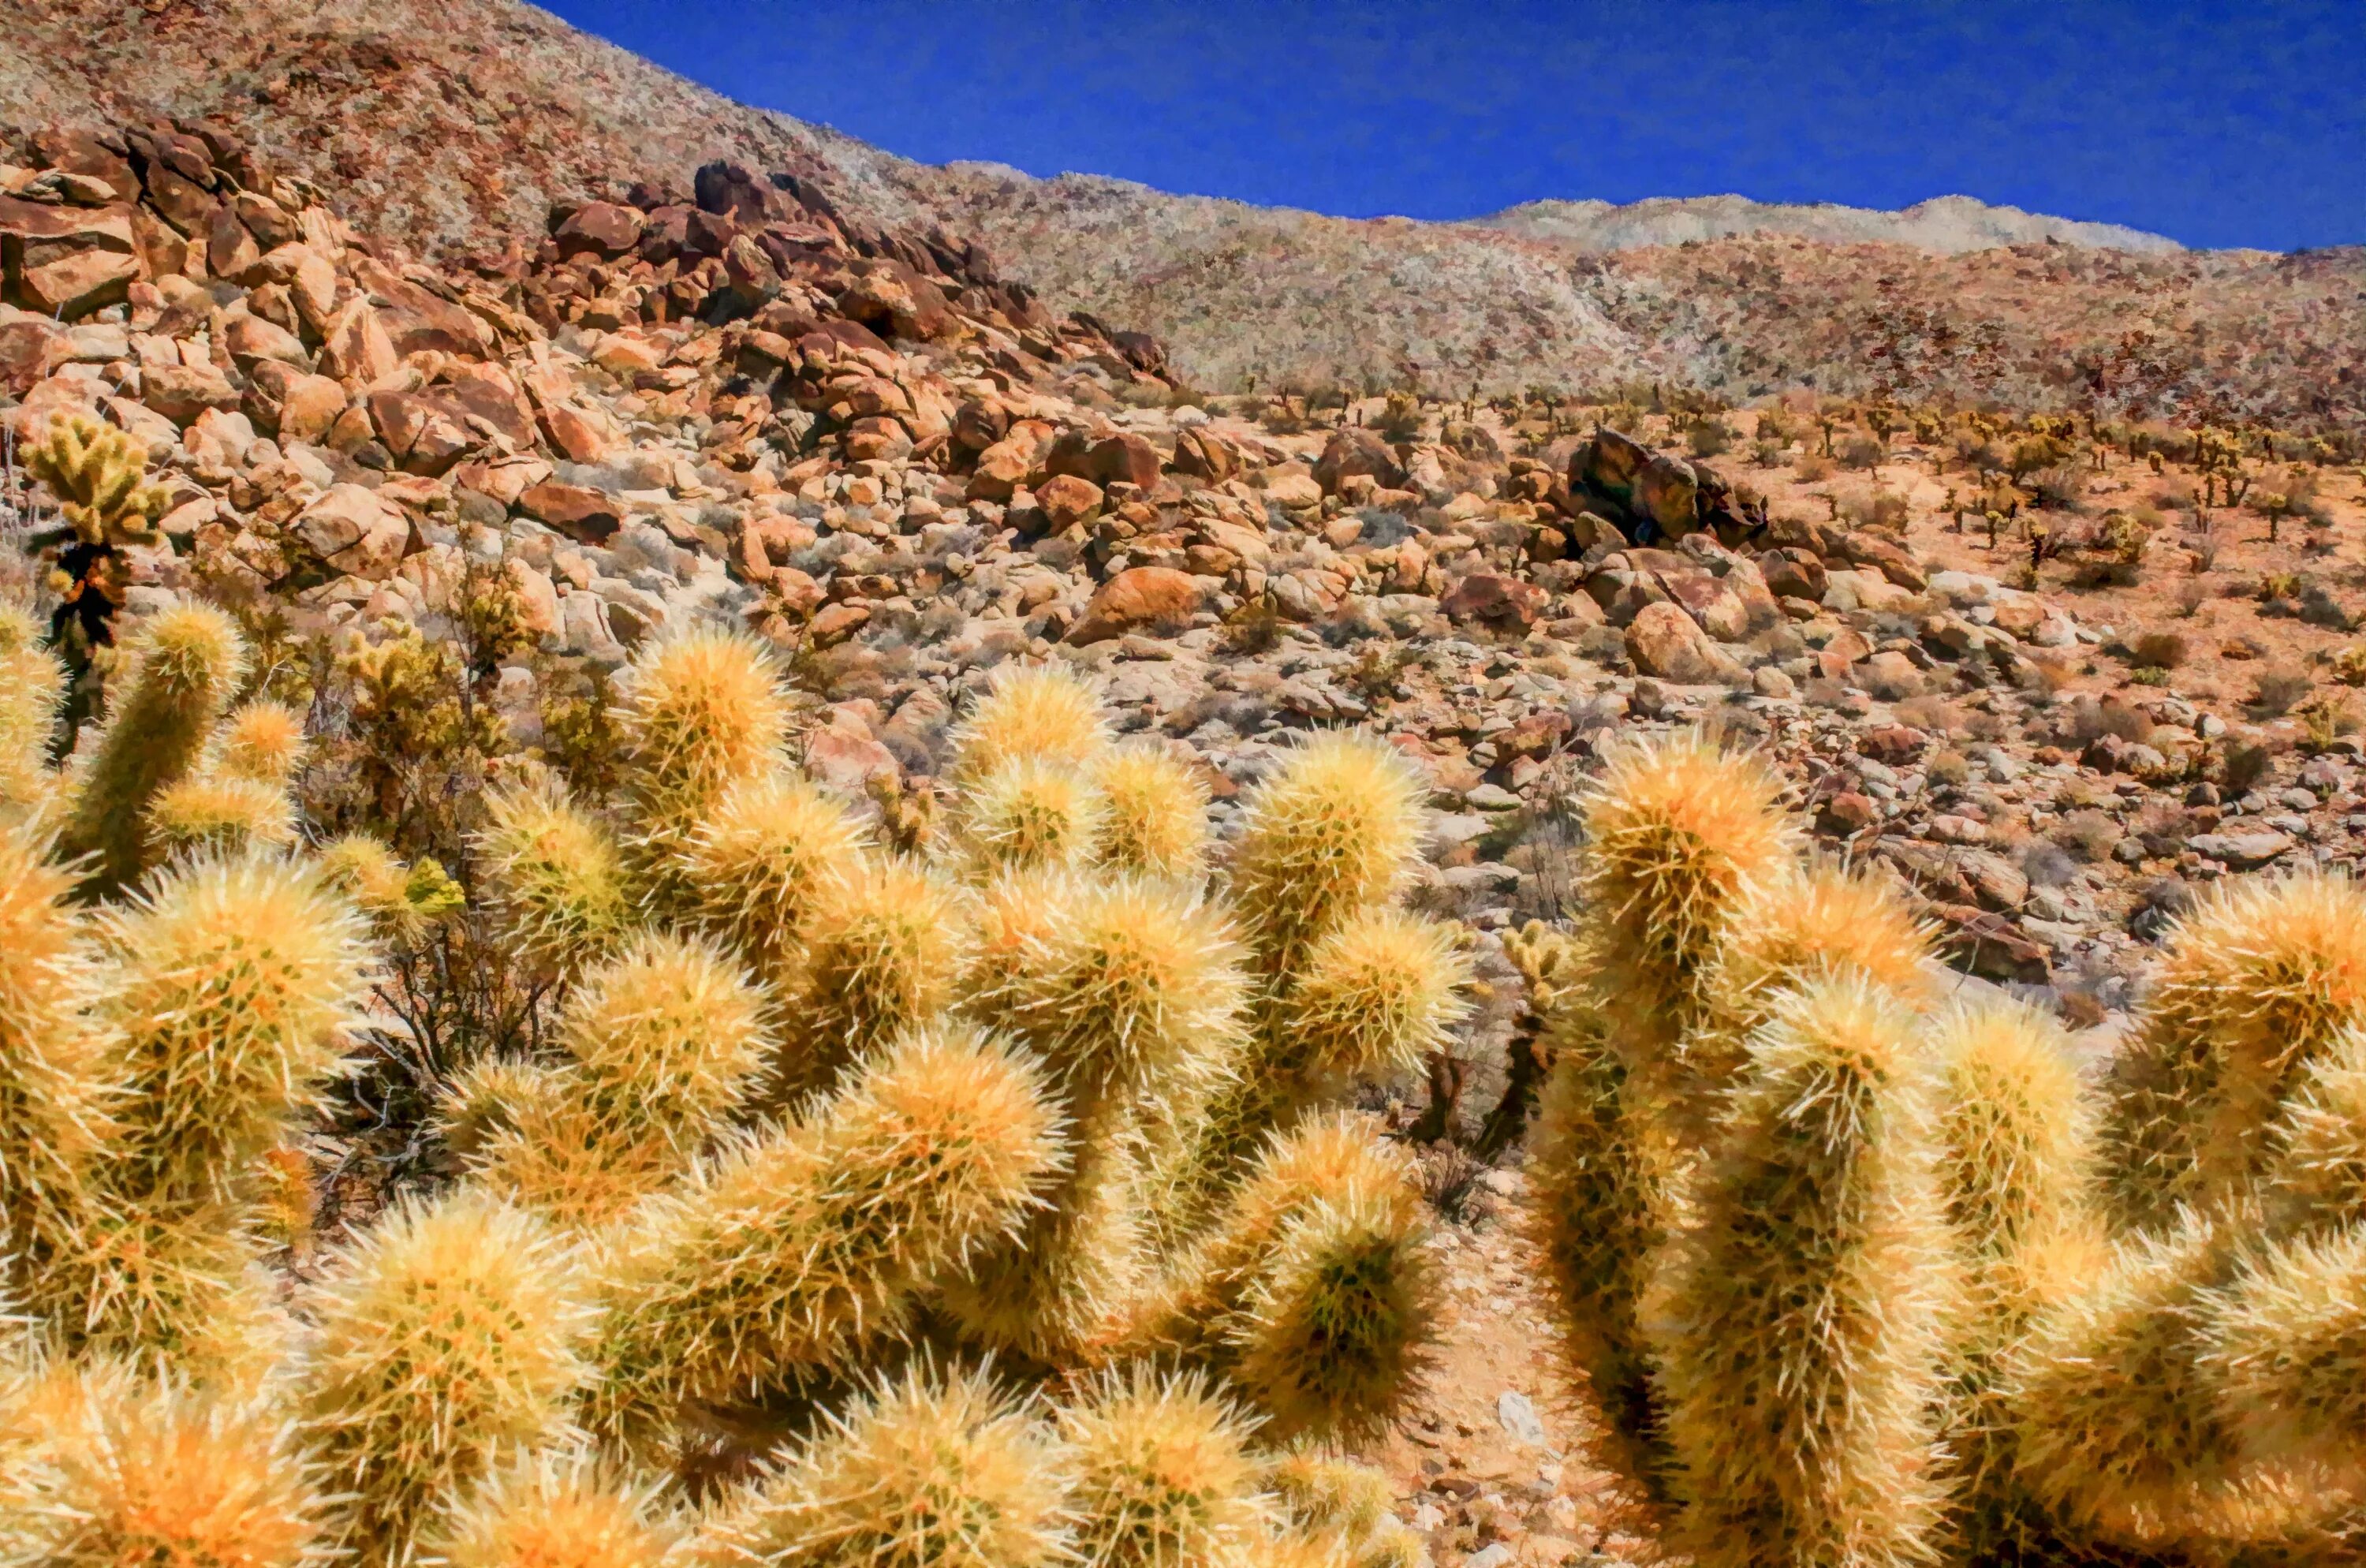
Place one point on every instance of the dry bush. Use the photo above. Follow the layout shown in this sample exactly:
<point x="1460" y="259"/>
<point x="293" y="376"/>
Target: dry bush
<point x="2160" y="649"/>
<point x="2278" y="691"/>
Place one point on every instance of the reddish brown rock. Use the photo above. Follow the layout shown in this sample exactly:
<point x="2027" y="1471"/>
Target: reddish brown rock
<point x="1507" y="603"/>
<point x="181" y="393"/>
<point x="1847" y="813"/>
<point x="1793" y="573"/>
<point x="1117" y="457"/>
<point x="1204" y="455"/>
<point x="31" y="347"/>
<point x="1002" y="468"/>
<point x="577" y="511"/>
<point x="1141" y="598"/>
<point x="355" y="345"/>
<point x="1893" y="744"/>
<point x="1355" y="450"/>
<point x="231" y="250"/>
<point x="1068" y="500"/>
<point x="601" y="229"/>
<point x="73" y="286"/>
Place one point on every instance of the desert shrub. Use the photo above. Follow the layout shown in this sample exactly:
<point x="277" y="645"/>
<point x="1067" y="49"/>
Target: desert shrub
<point x="1812" y="468"/>
<point x="2090" y="836"/>
<point x="1882" y="509"/>
<point x="2278" y="691"/>
<point x="1862" y="451"/>
<point x="775" y="1100"/>
<point x="2160" y="649"/>
<point x="2050" y="1322"/>
<point x="1708" y="436"/>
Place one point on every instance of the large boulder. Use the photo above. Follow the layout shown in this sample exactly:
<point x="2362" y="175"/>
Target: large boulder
<point x="1665" y="642"/>
<point x="601" y="229"/>
<point x="1507" y="603"/>
<point x="1141" y="598"/>
<point x="1668" y="492"/>
<point x="1354" y="450"/>
<point x="356" y="532"/>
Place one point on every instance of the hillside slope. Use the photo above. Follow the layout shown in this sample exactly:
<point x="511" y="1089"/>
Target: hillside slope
<point x="453" y="126"/>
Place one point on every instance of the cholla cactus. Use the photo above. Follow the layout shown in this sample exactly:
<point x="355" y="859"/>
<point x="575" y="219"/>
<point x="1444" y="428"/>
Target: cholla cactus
<point x="1155" y="812"/>
<point x="889" y="1148"/>
<point x="1043" y="716"/>
<point x="99" y="475"/>
<point x="700" y="712"/>
<point x="447" y="1340"/>
<point x="923" y="1472"/>
<point x="1858" y="1280"/>
<point x="131" y="1469"/>
<point x="32" y="693"/>
<point x="186" y="664"/>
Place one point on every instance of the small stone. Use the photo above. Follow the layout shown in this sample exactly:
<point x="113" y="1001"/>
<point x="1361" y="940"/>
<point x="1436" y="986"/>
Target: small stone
<point x="1517" y="1416"/>
<point x="1847" y="813"/>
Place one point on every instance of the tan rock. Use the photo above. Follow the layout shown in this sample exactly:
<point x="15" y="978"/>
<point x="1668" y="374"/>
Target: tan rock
<point x="355" y="345"/>
<point x="310" y="408"/>
<point x="1293" y="492"/>
<point x="1141" y="598"/>
<point x="73" y="286"/>
<point x="1665" y="642"/>
<point x="538" y="599"/>
<point x="356" y="532"/>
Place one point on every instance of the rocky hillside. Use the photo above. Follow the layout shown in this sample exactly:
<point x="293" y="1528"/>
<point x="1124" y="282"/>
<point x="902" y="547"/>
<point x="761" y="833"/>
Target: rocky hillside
<point x="1948" y="224"/>
<point x="453" y="127"/>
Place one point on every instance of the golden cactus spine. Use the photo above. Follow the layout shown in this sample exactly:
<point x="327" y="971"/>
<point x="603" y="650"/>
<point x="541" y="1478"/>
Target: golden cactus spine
<point x="186" y="664"/>
<point x="446" y="1341"/>
<point x="700" y="712"/>
<point x="663" y="1042"/>
<point x="2256" y="984"/>
<point x="1131" y="994"/>
<point x="794" y="1252"/>
<point x="1811" y="1293"/>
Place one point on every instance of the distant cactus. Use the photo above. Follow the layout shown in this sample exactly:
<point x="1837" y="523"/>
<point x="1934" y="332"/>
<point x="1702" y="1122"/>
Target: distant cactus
<point x="99" y="475"/>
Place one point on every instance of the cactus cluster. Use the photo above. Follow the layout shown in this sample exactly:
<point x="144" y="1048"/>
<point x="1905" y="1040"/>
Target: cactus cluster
<point x="985" y="1198"/>
<point x="1857" y="1274"/>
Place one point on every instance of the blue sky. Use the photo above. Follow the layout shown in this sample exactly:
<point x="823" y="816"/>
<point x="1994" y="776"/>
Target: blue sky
<point x="2217" y="125"/>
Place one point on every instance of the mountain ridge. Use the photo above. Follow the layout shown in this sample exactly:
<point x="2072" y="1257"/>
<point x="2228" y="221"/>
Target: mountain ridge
<point x="456" y="127"/>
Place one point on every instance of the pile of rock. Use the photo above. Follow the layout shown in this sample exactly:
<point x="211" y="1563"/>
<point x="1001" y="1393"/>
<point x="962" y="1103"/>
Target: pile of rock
<point x="730" y="402"/>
